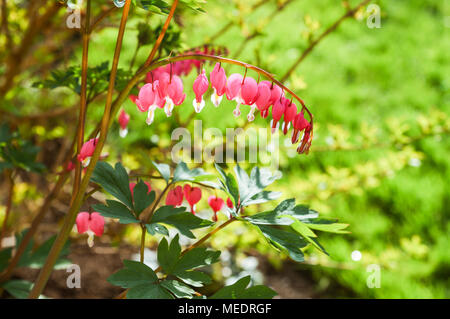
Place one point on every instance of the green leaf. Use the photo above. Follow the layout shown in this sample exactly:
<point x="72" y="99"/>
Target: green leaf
<point x="173" y="263"/>
<point x="5" y="255"/>
<point x="284" y="240"/>
<point x="114" y="181"/>
<point x="328" y="226"/>
<point x="239" y="290"/>
<point x="148" y="291"/>
<point x="180" y="219"/>
<point x="132" y="275"/>
<point x="157" y="228"/>
<point x="194" y="278"/>
<point x="155" y="6"/>
<point x="142" y="198"/>
<point x="164" y="170"/>
<point x="233" y="189"/>
<point x="18" y="288"/>
<point x="183" y="173"/>
<point x="168" y="254"/>
<point x="253" y="185"/>
<point x="36" y="259"/>
<point x="115" y="209"/>
<point x="178" y="289"/>
<point x="283" y="214"/>
<point x="195" y="258"/>
<point x="262" y="197"/>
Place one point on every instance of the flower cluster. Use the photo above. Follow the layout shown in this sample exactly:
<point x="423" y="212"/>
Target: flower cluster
<point x="164" y="90"/>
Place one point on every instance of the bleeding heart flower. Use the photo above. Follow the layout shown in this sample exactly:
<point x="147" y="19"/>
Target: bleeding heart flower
<point x="86" y="151"/>
<point x="200" y="87"/>
<point x="124" y="118"/>
<point x="192" y="195"/>
<point x="93" y="224"/>
<point x="175" y="196"/>
<point x="216" y="204"/>
<point x="299" y="123"/>
<point x="229" y="203"/>
<point x="277" y="113"/>
<point x="149" y="99"/>
<point x="233" y="91"/>
<point x="306" y="140"/>
<point x="219" y="84"/>
<point x="171" y="89"/>
<point x="290" y="112"/>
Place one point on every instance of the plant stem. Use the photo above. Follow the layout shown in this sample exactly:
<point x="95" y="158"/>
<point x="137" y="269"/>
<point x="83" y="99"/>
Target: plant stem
<point x="330" y="29"/>
<point x="83" y="97"/>
<point x="76" y="204"/>
<point x="144" y="231"/>
<point x="9" y="175"/>
<point x="161" y="35"/>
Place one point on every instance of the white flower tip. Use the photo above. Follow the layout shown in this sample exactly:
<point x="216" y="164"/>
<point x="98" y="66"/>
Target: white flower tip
<point x="86" y="161"/>
<point x="123" y="132"/>
<point x="90" y="240"/>
<point x="198" y="106"/>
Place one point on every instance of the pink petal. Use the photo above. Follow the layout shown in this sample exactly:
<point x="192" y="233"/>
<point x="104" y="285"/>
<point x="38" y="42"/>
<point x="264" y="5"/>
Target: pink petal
<point x="82" y="222"/>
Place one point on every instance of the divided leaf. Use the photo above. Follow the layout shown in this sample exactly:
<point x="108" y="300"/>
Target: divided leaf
<point x="174" y="263"/>
<point x="114" y="180"/>
<point x="239" y="290"/>
<point x="115" y="209"/>
<point x="178" y="218"/>
<point x="183" y="173"/>
<point x="164" y="170"/>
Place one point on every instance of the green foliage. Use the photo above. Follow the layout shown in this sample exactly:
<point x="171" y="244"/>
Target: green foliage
<point x="18" y="288"/>
<point x="178" y="218"/>
<point x="17" y="153"/>
<point x="97" y="79"/>
<point x="239" y="290"/>
<point x="35" y="258"/>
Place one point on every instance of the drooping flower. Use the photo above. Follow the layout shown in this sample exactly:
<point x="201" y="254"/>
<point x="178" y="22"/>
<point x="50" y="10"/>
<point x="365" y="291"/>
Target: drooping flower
<point x="216" y="204"/>
<point x="290" y="112"/>
<point x="249" y="93"/>
<point x="92" y="224"/>
<point x="171" y="89"/>
<point x="275" y="94"/>
<point x="299" y="124"/>
<point x="305" y="143"/>
<point x="264" y="95"/>
<point x="86" y="151"/>
<point x="233" y="91"/>
<point x="149" y="99"/>
<point x="124" y="118"/>
<point x="200" y="87"/>
<point x="277" y="113"/>
<point x="192" y="195"/>
<point x="229" y="203"/>
<point x="218" y="83"/>
<point x="175" y="196"/>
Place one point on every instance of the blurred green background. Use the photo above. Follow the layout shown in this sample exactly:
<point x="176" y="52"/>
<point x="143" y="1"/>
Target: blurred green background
<point x="380" y="156"/>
